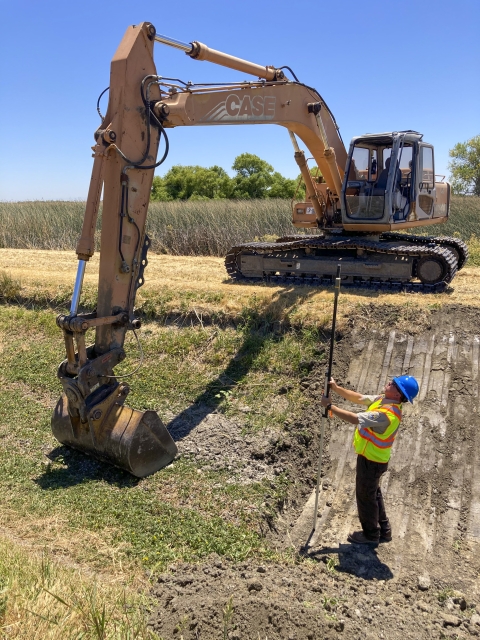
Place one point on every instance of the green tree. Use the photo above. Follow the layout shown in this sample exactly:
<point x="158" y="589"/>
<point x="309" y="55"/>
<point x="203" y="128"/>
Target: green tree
<point x="192" y="183"/>
<point x="159" y="190"/>
<point x="465" y="167"/>
<point x="282" y="187"/>
<point x="256" y="178"/>
<point x="253" y="178"/>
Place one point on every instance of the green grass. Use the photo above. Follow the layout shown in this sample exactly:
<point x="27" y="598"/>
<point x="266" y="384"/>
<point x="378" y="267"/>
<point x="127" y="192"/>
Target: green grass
<point x="174" y="514"/>
<point x="151" y="522"/>
<point x="191" y="227"/>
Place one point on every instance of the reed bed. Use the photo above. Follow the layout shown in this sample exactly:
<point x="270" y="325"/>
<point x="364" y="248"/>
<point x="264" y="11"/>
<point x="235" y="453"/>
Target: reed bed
<point x="212" y="227"/>
<point x="463" y="221"/>
<point x="190" y="228"/>
<point x="40" y="224"/>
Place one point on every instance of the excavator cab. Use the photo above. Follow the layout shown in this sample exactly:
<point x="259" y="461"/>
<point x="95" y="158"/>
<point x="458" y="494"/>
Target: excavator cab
<point x="390" y="180"/>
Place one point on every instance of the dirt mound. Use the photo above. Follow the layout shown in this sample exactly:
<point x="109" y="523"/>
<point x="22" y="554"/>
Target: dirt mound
<point x="425" y="583"/>
<point x="218" y="443"/>
<point x="307" y="601"/>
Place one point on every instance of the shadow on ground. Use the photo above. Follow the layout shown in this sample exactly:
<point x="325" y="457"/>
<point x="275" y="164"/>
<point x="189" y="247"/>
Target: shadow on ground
<point x="258" y="324"/>
<point x="78" y="468"/>
<point x="360" y="561"/>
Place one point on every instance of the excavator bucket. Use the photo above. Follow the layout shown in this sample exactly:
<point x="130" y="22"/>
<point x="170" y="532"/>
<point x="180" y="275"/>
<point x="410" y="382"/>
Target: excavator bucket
<point x="133" y="440"/>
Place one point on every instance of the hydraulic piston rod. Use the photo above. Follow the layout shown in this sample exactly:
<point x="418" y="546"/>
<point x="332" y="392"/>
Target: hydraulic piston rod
<point x="183" y="46"/>
<point x="78" y="287"/>
<point x="200" y="51"/>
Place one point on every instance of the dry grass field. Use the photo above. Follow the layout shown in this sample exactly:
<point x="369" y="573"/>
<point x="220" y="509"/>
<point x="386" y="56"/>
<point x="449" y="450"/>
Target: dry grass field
<point x="191" y="285"/>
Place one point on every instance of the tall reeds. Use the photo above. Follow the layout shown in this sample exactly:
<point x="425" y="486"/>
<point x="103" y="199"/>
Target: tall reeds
<point x="203" y="227"/>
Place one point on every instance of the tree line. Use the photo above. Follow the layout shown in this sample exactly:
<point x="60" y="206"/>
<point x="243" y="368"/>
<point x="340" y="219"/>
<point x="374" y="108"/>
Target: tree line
<point x="254" y="178"/>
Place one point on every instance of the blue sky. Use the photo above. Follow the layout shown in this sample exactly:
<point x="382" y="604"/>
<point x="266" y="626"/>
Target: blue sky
<point x="380" y="66"/>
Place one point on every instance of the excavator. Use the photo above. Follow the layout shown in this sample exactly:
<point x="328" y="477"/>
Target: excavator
<point x="356" y="212"/>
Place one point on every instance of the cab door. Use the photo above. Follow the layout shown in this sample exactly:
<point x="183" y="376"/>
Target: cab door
<point x="425" y="200"/>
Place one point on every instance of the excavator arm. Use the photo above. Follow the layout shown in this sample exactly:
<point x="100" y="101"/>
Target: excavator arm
<point x="91" y="414"/>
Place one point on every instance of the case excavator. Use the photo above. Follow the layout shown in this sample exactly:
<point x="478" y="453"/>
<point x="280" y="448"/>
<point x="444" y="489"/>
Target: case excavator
<point x="354" y="213"/>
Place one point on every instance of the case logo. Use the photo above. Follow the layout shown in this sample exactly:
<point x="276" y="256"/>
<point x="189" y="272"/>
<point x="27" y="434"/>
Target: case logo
<point x="237" y="108"/>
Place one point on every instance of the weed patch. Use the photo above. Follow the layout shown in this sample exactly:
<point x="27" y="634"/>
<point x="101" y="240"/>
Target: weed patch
<point x="9" y="287"/>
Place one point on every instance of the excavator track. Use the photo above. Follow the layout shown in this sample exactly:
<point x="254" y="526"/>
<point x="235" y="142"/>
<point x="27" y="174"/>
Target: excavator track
<point x="293" y="260"/>
<point x="455" y="245"/>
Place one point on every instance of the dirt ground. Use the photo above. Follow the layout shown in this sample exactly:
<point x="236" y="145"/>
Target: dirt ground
<point x="423" y="584"/>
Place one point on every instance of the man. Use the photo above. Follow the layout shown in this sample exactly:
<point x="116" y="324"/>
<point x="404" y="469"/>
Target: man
<point x="374" y="435"/>
<point x="381" y="184"/>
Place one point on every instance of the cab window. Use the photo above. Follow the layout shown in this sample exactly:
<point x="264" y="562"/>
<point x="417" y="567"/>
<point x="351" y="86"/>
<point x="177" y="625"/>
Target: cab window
<point x="427" y="167"/>
<point x="359" y="166"/>
<point x="364" y="164"/>
<point x="360" y="200"/>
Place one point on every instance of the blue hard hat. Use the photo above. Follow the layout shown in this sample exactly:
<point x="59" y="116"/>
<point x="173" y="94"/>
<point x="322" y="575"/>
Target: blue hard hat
<point x="408" y="386"/>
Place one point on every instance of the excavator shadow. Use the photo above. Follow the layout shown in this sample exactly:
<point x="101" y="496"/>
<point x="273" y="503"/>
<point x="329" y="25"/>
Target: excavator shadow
<point x="370" y="291"/>
<point x="259" y="325"/>
<point x="78" y="468"/>
<point x="358" y="560"/>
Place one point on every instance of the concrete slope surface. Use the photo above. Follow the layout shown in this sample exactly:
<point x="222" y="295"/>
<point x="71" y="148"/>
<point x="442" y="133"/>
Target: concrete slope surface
<point x="432" y="486"/>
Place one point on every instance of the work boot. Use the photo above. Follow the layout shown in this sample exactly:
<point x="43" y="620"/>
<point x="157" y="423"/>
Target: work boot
<point x="386" y="536"/>
<point x="358" y="537"/>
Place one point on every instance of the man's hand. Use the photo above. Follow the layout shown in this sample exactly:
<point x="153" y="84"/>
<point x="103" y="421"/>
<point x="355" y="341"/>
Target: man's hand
<point x="347" y="394"/>
<point x="325" y="401"/>
<point x="336" y="412"/>
<point x="333" y="385"/>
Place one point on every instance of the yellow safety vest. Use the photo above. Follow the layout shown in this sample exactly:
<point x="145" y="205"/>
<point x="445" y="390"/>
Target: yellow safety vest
<point x="377" y="446"/>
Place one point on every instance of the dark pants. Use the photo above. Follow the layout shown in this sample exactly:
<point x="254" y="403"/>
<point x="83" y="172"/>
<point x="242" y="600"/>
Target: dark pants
<point x="371" y="510"/>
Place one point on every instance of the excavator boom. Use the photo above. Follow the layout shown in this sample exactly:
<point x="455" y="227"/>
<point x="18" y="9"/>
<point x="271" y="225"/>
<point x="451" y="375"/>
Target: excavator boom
<point x="291" y="105"/>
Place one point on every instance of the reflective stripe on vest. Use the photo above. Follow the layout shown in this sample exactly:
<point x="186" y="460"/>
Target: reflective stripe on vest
<point x="377" y="446"/>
